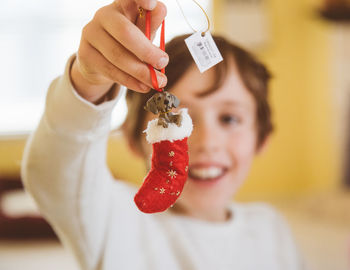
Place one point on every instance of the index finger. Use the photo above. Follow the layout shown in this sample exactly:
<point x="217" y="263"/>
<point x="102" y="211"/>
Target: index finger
<point x="133" y="39"/>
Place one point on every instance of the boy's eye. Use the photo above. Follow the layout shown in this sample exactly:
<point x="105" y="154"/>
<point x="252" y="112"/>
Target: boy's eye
<point x="229" y="119"/>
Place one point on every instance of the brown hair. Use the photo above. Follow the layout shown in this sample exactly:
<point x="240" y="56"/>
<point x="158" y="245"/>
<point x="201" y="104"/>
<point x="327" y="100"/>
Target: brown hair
<point x="254" y="75"/>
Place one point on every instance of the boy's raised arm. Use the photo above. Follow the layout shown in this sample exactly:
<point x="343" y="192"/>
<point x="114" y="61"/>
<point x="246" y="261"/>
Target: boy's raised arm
<point x="64" y="169"/>
<point x="64" y="163"/>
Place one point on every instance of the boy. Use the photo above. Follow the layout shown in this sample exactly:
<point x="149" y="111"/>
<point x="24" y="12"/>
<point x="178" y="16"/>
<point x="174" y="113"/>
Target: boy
<point x="64" y="165"/>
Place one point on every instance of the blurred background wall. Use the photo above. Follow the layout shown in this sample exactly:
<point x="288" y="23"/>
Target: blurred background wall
<point x="304" y="153"/>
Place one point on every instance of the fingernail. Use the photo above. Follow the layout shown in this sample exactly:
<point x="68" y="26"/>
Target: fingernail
<point x="163" y="61"/>
<point x="161" y="80"/>
<point x="152" y="4"/>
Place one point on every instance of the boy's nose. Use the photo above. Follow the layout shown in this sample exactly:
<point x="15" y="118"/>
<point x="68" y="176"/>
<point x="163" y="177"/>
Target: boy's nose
<point x="205" y="138"/>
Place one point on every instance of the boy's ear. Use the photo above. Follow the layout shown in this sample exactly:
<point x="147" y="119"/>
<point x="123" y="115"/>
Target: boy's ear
<point x="263" y="146"/>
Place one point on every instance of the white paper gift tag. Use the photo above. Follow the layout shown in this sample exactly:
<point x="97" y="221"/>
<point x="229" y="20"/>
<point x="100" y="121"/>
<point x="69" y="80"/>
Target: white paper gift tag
<point x="203" y="50"/>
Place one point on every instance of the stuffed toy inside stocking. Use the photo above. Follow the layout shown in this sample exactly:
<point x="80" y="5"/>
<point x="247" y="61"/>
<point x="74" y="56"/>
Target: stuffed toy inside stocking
<point x="168" y="135"/>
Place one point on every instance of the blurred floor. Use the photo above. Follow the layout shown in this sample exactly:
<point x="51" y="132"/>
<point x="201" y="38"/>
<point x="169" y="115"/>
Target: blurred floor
<point x="35" y="255"/>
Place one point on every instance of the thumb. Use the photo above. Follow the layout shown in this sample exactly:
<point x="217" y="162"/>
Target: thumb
<point x="157" y="16"/>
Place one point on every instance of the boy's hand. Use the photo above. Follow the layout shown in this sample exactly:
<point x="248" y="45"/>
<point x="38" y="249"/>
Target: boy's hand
<point x="114" y="49"/>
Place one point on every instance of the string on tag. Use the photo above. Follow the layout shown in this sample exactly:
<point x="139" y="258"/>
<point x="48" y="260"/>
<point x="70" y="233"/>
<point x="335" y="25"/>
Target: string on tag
<point x="188" y="23"/>
<point x="162" y="47"/>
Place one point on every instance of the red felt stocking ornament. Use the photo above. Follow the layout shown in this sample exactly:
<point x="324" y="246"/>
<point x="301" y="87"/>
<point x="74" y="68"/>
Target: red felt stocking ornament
<point x="168" y="135"/>
<point x="165" y="181"/>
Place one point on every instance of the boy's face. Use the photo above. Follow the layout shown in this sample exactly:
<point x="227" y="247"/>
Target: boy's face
<point x="222" y="145"/>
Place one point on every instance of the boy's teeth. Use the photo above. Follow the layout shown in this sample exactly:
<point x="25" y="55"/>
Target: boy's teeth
<point x="206" y="173"/>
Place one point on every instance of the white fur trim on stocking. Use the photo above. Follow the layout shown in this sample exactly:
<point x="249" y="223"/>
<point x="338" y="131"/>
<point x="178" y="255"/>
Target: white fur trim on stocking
<point x="156" y="133"/>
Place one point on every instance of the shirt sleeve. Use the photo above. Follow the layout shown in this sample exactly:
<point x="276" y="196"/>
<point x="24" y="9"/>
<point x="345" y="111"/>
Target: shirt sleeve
<point x="64" y="168"/>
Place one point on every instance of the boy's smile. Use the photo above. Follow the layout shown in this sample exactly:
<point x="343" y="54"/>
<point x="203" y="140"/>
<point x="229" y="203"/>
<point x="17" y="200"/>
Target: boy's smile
<point x="206" y="172"/>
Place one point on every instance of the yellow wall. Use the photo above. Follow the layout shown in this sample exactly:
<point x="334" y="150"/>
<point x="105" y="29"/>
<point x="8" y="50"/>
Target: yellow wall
<point x="126" y="165"/>
<point x="10" y="156"/>
<point x="303" y="155"/>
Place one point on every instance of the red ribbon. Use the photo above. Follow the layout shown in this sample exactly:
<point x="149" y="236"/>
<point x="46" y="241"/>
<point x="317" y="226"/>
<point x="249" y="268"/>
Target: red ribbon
<point x="162" y="47"/>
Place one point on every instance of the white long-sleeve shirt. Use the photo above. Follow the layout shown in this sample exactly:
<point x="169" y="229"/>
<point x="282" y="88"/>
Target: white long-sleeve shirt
<point x="64" y="169"/>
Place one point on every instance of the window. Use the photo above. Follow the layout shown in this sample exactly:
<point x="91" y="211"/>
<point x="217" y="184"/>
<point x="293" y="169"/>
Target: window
<point x="36" y="39"/>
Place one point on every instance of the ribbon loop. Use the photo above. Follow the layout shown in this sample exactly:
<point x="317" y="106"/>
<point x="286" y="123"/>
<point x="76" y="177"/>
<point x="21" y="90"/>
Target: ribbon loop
<point x="162" y="47"/>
